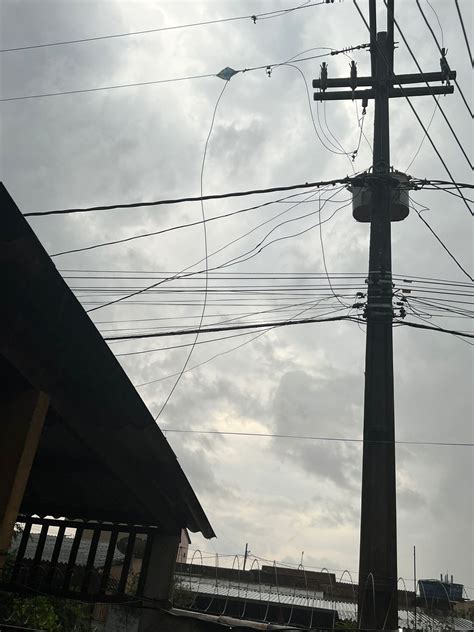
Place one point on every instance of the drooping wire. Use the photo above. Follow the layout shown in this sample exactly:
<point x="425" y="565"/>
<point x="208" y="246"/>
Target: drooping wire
<point x="204" y="303"/>
<point x="173" y="228"/>
<point x="324" y="258"/>
<point x="301" y="73"/>
<point x="438" y="20"/>
<point x="360" y="119"/>
<point x="237" y="260"/>
<point x="184" y="272"/>
<point x="423" y="138"/>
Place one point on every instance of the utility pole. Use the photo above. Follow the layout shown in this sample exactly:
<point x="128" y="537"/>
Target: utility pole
<point x="414" y="583"/>
<point x="378" y="578"/>
<point x="246" y="554"/>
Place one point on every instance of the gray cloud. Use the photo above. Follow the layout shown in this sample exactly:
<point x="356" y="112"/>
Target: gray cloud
<point x="146" y="143"/>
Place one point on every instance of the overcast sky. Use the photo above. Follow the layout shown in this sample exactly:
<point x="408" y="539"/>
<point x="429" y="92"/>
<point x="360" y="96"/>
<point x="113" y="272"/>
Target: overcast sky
<point x="281" y="496"/>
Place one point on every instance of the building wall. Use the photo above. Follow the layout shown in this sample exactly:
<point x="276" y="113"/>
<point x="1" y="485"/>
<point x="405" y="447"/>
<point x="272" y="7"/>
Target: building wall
<point x="465" y="609"/>
<point x="183" y="548"/>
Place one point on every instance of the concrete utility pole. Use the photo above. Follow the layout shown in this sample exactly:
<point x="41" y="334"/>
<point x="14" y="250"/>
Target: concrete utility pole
<point x="378" y="596"/>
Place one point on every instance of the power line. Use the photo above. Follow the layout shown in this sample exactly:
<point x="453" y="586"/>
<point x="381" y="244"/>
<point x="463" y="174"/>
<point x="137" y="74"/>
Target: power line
<point x="112" y="87"/>
<point x="303" y="321"/>
<point x="223" y="265"/>
<point x="423" y="137"/>
<point x="159" y="81"/>
<point x="429" y="87"/>
<point x="466" y="39"/>
<point x="442" y="329"/>
<point x="419" y="213"/>
<point x="360" y="179"/>
<point x="205" y="330"/>
<point x="254" y="18"/>
<point x="182" y="346"/>
<point x="227" y="351"/>
<point x="242" y="275"/>
<point x="313" y="438"/>
<point x="199" y="198"/>
<point x="172" y="228"/>
<point x="441" y="53"/>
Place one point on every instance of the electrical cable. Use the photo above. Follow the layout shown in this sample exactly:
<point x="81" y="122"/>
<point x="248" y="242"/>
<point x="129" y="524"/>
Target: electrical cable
<point x="261" y="245"/>
<point x="181" y="275"/>
<point x="154" y="82"/>
<point x="438" y="20"/>
<point x="238" y="260"/>
<point x="429" y="87"/>
<point x="204" y="304"/>
<point x="313" y="438"/>
<point x="460" y="266"/>
<point x="438" y="188"/>
<point x="267" y="15"/>
<point x="464" y="334"/>
<point x="363" y="177"/>
<point x="172" y="228"/>
<point x="423" y="138"/>
<point x="200" y="342"/>
<point x="215" y="196"/>
<point x="466" y="39"/>
<point x="186" y="274"/>
<point x="360" y="124"/>
<point x="435" y="327"/>
<point x="337" y="143"/>
<point x="437" y="311"/>
<point x="324" y="257"/>
<point x="313" y="120"/>
<point x="205" y="330"/>
<point x="304" y="321"/>
<point x="222" y="353"/>
<point x="441" y="52"/>
<point x="112" y="87"/>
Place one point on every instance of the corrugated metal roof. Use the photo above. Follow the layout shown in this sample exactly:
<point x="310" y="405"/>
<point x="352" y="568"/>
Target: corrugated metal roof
<point x="301" y="598"/>
<point x="65" y="550"/>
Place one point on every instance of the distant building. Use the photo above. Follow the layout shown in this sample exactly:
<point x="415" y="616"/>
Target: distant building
<point x="441" y="590"/>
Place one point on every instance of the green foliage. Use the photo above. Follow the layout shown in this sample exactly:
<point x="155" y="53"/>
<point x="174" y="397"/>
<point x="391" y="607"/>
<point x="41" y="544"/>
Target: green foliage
<point x="45" y="613"/>
<point x="182" y="596"/>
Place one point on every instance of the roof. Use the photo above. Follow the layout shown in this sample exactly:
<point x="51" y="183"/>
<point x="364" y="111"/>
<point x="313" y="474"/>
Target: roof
<point x="66" y="546"/>
<point x="229" y="623"/>
<point x="101" y="455"/>
<point x="311" y="600"/>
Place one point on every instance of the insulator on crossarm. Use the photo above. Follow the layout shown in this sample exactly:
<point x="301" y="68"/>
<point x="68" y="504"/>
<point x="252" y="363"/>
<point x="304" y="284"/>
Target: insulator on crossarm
<point x="443" y="62"/>
<point x="324" y="76"/>
<point x="353" y="66"/>
<point x="365" y="103"/>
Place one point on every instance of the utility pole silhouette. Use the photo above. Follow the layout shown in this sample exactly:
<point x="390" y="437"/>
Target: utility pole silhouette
<point x="378" y="595"/>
